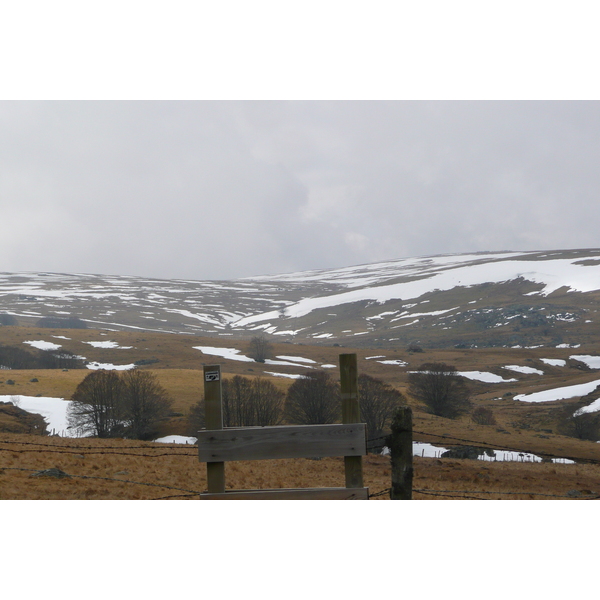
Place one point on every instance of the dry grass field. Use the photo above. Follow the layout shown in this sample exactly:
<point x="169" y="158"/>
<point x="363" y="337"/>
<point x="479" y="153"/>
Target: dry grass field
<point x="126" y="469"/>
<point x="133" y="470"/>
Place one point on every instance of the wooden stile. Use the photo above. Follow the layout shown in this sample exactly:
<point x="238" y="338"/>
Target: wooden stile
<point x="217" y="444"/>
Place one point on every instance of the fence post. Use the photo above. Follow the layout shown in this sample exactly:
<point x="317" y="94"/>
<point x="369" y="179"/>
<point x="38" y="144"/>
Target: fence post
<point x="213" y="417"/>
<point x="351" y="414"/>
<point x="400" y="445"/>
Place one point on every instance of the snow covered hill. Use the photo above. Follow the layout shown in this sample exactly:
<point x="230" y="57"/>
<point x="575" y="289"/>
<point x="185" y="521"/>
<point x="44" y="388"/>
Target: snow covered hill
<point x="487" y="299"/>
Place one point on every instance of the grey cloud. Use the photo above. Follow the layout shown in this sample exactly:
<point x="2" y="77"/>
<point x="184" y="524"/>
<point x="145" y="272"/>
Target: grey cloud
<point x="230" y="189"/>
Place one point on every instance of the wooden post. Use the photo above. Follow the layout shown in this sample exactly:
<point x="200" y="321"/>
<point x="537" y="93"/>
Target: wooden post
<point x="400" y="444"/>
<point x="213" y="416"/>
<point x="351" y="414"/>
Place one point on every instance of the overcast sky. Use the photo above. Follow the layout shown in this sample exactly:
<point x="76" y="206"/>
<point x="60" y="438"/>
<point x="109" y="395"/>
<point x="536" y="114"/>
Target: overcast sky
<point x="225" y="189"/>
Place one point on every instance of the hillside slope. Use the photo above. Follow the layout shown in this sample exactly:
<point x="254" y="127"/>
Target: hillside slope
<point x="466" y="300"/>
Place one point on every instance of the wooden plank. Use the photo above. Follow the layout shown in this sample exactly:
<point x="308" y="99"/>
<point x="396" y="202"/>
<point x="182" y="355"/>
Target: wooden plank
<point x="353" y="469"/>
<point x="291" y="494"/>
<point x="213" y="417"/>
<point x="297" y="441"/>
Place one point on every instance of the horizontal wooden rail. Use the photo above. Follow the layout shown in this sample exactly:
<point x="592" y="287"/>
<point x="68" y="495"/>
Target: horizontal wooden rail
<point x="298" y="441"/>
<point x="291" y="494"/>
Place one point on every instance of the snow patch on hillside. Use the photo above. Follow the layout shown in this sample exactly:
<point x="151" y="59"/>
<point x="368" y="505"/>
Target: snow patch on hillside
<point x="228" y="353"/>
<point x="593" y="362"/>
<point x="42" y="345"/>
<point x="485" y="377"/>
<point x="554" y="362"/>
<point x="96" y="366"/>
<point x="550" y="274"/>
<point x="562" y="393"/>
<point x="53" y="410"/>
<point x="108" y="344"/>
<point x="524" y="370"/>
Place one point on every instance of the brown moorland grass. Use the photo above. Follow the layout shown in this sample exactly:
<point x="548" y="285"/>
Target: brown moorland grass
<point x="520" y="426"/>
<point x="133" y="470"/>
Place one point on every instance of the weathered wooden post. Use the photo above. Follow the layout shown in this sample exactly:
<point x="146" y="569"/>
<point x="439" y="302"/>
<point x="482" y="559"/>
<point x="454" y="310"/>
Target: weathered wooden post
<point x="351" y="414"/>
<point x="400" y="445"/>
<point x="213" y="416"/>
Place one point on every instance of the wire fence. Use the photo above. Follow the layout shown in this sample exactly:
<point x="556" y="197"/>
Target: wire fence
<point x="189" y="450"/>
<point x="159" y="485"/>
<point x="482" y="444"/>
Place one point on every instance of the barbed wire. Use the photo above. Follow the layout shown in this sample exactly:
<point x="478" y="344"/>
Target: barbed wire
<point x="507" y="448"/>
<point x="443" y="495"/>
<point x="381" y="493"/>
<point x="168" y="487"/>
<point x="520" y="493"/>
<point x="489" y="445"/>
<point x="100" y="452"/>
<point x="173" y="446"/>
<point x="174" y="496"/>
<point x="185" y="451"/>
<point x="429" y="492"/>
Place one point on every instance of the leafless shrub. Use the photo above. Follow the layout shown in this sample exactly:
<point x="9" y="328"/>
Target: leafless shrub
<point x="378" y="401"/>
<point x="483" y="416"/>
<point x="440" y="388"/>
<point x="313" y="399"/>
<point x="260" y="349"/>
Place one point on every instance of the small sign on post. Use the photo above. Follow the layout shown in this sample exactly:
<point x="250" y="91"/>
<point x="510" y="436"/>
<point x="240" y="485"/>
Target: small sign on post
<point x="212" y="376"/>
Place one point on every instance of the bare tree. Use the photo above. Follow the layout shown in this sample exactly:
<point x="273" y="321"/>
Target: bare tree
<point x="195" y="419"/>
<point x="267" y="401"/>
<point x="145" y="403"/>
<point x="251" y="402"/>
<point x="260" y="349"/>
<point x="312" y="399"/>
<point x="96" y="408"/>
<point x="237" y="408"/>
<point x="441" y="389"/>
<point x="378" y="403"/>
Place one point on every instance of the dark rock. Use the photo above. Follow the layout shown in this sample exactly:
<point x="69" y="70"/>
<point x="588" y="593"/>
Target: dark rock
<point x="54" y="472"/>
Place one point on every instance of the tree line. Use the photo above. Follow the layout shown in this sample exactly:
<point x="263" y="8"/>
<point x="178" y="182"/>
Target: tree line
<point x="13" y="357"/>
<point x="313" y="398"/>
<point x="132" y="403"/>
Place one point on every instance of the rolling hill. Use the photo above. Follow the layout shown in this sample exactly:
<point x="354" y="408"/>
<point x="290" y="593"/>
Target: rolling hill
<point x="500" y="299"/>
<point x="521" y="327"/>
